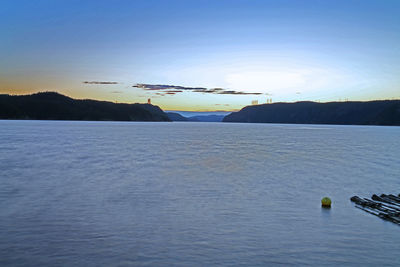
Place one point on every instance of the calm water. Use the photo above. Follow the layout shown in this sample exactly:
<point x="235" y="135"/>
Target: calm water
<point x="194" y="194"/>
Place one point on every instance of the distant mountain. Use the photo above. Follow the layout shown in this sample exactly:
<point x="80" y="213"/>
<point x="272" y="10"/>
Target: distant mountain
<point x="356" y="113"/>
<point x="188" y="114"/>
<point x="207" y="118"/>
<point x="54" y="106"/>
<point x="199" y="118"/>
<point x="176" y="116"/>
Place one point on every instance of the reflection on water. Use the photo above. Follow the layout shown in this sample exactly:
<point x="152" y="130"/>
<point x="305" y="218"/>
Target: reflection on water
<point x="109" y="193"/>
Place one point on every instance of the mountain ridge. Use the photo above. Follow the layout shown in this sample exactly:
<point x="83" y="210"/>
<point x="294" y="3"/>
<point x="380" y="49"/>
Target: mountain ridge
<point x="377" y="112"/>
<point x="174" y="116"/>
<point x="55" y="106"/>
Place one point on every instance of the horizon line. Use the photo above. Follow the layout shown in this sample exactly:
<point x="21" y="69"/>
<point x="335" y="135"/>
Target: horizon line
<point x="233" y="110"/>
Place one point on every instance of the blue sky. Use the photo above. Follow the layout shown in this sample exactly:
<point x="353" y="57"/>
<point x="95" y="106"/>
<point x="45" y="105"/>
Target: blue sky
<point x="251" y="50"/>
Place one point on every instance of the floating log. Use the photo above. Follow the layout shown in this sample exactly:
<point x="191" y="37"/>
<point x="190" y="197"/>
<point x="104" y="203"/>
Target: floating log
<point x="392" y="197"/>
<point x="364" y="202"/>
<point x="386" y="207"/>
<point x="375" y="205"/>
<point x="381" y="215"/>
<point x="385" y="199"/>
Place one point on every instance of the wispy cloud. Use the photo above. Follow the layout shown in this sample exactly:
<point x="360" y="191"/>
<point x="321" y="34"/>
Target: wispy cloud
<point x="210" y="91"/>
<point x="116" y="92"/>
<point x="237" y="93"/>
<point x="172" y="89"/>
<point x="159" y="87"/>
<point x="97" y="82"/>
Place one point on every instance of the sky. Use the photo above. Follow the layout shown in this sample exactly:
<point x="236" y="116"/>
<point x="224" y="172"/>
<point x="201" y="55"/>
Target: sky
<point x="202" y="55"/>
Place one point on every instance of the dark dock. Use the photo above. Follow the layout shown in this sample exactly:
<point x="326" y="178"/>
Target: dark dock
<point x="386" y="207"/>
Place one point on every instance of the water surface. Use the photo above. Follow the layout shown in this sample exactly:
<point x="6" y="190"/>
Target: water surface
<point x="194" y="194"/>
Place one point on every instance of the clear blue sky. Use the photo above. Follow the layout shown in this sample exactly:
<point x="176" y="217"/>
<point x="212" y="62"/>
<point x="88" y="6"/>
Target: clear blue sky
<point x="285" y="50"/>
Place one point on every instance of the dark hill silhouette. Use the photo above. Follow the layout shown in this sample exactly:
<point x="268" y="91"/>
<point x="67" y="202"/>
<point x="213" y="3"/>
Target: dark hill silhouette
<point x="54" y="106"/>
<point x="385" y="112"/>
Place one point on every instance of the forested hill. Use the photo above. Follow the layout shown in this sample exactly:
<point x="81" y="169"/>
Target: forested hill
<point x="54" y="106"/>
<point x="358" y="113"/>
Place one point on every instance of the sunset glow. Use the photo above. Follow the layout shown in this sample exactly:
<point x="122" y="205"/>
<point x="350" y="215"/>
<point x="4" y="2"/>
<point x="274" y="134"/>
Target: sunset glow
<point x="279" y="50"/>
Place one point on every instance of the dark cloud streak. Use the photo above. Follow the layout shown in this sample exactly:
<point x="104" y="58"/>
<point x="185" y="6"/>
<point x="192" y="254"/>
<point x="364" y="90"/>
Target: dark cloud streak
<point x="237" y="93"/>
<point x="172" y="89"/>
<point x="157" y="87"/>
<point x="96" y="82"/>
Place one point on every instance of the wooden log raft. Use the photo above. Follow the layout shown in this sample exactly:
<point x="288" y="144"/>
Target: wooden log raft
<point x="383" y="198"/>
<point x="386" y="207"/>
<point x="393" y="198"/>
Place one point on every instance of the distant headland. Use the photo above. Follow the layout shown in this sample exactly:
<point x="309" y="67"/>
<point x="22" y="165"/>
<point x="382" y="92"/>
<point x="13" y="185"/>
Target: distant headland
<point x="385" y="112"/>
<point x="55" y="106"/>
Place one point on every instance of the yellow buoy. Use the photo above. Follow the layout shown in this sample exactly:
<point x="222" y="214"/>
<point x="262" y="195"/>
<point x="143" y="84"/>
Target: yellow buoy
<point x="326" y="202"/>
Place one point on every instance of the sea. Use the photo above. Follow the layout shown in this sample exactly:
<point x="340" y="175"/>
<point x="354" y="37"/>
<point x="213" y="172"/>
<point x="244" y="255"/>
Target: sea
<point x="77" y="193"/>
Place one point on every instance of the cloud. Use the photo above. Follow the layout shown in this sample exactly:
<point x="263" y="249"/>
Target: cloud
<point x="157" y="87"/>
<point x="237" y="93"/>
<point x="210" y="91"/>
<point x="116" y="92"/>
<point x="96" y="82"/>
<point x="172" y="89"/>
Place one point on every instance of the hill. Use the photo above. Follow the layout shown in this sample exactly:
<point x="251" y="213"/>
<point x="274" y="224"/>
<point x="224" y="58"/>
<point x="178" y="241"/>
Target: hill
<point x="207" y="118"/>
<point x="54" y="106"/>
<point x="173" y="116"/>
<point x="385" y="112"/>
<point x="199" y="118"/>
